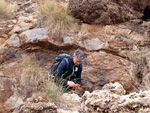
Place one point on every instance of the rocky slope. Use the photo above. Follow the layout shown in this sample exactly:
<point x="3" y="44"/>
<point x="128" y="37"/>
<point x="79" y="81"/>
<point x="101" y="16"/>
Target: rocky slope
<point x="110" y="99"/>
<point x="115" y="53"/>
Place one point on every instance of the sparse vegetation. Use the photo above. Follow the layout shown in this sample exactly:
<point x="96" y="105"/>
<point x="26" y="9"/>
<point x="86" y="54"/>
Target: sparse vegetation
<point x="32" y="80"/>
<point x="53" y="91"/>
<point x="5" y="9"/>
<point x="56" y="17"/>
<point x="31" y="76"/>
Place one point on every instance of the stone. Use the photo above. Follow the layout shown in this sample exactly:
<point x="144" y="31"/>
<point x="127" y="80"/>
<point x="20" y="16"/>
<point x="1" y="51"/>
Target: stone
<point x="71" y="101"/>
<point x="2" y="40"/>
<point x="145" y="82"/>
<point x="104" y="100"/>
<point x="13" y="41"/>
<point x="66" y="111"/>
<point x="93" y="44"/>
<point x="33" y="106"/>
<point x="105" y="67"/>
<point x="107" y="12"/>
<point x="1" y="74"/>
<point x="68" y="40"/>
<point x="34" y="36"/>
<point x="115" y="88"/>
<point x="14" y="101"/>
<point x="4" y="108"/>
<point x="23" y="24"/>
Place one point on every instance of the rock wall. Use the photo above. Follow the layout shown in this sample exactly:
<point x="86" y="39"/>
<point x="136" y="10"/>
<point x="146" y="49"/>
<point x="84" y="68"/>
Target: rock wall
<point x="114" y="52"/>
<point x="107" y="11"/>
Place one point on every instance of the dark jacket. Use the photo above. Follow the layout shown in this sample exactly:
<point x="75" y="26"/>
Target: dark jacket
<point x="65" y="73"/>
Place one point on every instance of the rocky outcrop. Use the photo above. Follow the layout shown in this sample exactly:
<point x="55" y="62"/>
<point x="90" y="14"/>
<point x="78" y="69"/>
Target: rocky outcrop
<point x="103" y="68"/>
<point x="6" y="30"/>
<point x="114" y="52"/>
<point x="107" y="12"/>
<point x="24" y="23"/>
<point x="67" y="103"/>
<point x="36" y="104"/>
<point x="110" y="100"/>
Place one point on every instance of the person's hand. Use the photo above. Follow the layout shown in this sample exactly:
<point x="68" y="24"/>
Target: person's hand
<point x="77" y="86"/>
<point x="71" y="84"/>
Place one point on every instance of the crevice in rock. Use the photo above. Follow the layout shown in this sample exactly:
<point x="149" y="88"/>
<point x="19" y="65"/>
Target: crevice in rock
<point x="146" y="13"/>
<point x="33" y="47"/>
<point x="113" y="53"/>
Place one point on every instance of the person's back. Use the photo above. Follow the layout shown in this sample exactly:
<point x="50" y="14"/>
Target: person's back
<point x="69" y="70"/>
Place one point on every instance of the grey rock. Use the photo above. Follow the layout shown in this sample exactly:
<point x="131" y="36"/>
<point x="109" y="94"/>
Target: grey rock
<point x="14" y="101"/>
<point x="13" y="41"/>
<point x="93" y="44"/>
<point x="68" y="40"/>
<point x="35" y="35"/>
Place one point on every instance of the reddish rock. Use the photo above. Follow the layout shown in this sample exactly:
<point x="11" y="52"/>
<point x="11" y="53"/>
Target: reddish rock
<point x="4" y="108"/>
<point x="107" y="11"/>
<point x="104" y="67"/>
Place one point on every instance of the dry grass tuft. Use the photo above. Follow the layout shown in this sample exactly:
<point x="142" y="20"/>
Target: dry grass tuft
<point x="56" y="17"/>
<point x="5" y="9"/>
<point x="31" y="77"/>
<point x="32" y="80"/>
<point x="53" y="91"/>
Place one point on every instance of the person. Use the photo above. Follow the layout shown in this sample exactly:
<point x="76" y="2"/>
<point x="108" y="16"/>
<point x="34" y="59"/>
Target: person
<point x="69" y="70"/>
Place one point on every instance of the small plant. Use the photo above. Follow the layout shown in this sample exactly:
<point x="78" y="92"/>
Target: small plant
<point x="5" y="9"/>
<point x="56" y="17"/>
<point x="53" y="91"/>
<point x="31" y="76"/>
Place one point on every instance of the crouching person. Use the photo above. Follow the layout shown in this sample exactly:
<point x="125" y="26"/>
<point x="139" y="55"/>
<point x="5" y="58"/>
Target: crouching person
<point x="67" y="69"/>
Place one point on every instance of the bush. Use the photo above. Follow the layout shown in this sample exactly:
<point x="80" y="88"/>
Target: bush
<point x="5" y="9"/>
<point x="56" y="17"/>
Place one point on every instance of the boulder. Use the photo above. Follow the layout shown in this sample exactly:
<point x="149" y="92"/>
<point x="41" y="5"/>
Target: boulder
<point x="34" y="36"/>
<point x="104" y="67"/>
<point x="13" y="41"/>
<point x="36" y="104"/>
<point x="107" y="11"/>
<point x="69" y="102"/>
<point x="105" y="100"/>
<point x="115" y="88"/>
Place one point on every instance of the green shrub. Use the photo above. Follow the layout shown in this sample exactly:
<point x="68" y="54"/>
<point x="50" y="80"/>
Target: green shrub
<point x="56" y="18"/>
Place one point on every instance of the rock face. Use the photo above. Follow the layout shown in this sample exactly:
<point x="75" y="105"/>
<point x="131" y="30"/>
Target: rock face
<point x="117" y="52"/>
<point x="67" y="103"/>
<point x="107" y="11"/>
<point x="35" y="105"/>
<point x="104" y="67"/>
<point x="109" y="100"/>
